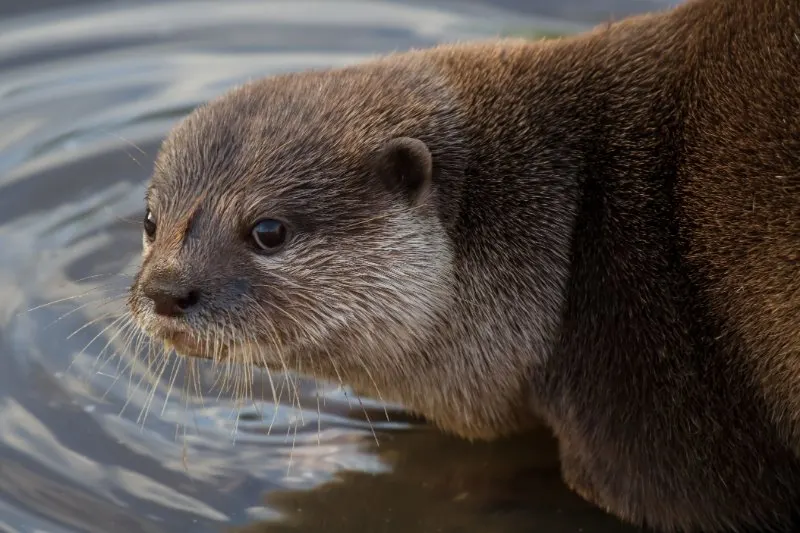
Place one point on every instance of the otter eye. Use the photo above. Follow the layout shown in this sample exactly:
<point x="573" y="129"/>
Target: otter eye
<point x="149" y="224"/>
<point x="269" y="234"/>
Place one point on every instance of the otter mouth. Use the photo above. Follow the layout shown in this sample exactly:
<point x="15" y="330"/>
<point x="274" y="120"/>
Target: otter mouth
<point x="184" y="345"/>
<point x="187" y="346"/>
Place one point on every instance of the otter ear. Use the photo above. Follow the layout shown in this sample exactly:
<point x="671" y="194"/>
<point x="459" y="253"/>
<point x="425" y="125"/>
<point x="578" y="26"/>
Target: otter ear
<point x="406" y="166"/>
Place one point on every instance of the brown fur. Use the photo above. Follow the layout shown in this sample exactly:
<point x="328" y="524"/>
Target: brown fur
<point x="607" y="240"/>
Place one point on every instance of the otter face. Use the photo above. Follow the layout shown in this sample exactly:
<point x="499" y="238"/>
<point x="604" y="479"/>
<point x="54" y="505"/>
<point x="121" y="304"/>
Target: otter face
<point x="291" y="245"/>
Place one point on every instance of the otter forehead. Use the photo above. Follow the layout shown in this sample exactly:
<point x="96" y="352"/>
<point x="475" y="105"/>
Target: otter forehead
<point x="301" y="135"/>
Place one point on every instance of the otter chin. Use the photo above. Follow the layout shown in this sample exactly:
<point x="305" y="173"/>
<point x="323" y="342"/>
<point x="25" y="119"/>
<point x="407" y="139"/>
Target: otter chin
<point x="187" y="346"/>
<point x="598" y="233"/>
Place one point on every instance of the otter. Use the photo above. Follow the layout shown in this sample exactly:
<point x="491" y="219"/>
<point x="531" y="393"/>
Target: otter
<point x="600" y="233"/>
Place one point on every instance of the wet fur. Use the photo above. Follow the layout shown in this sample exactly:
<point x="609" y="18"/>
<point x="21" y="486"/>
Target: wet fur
<point x="609" y="243"/>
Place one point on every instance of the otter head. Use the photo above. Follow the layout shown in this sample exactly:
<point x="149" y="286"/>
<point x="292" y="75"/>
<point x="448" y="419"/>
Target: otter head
<point x="299" y="223"/>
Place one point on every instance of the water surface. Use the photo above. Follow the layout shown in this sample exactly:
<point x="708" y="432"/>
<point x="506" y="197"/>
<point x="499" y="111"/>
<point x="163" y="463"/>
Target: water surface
<point x="86" y="95"/>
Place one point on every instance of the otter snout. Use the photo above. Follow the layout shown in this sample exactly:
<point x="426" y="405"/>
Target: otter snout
<point x="171" y="298"/>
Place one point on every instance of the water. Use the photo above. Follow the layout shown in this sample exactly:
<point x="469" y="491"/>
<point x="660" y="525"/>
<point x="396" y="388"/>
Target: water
<point x="86" y="95"/>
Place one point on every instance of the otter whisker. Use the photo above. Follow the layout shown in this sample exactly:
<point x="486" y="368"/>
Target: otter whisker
<point x="162" y="366"/>
<point x="281" y="387"/>
<point x="142" y="342"/>
<point x="194" y="374"/>
<point x="275" y="398"/>
<point x="185" y="397"/>
<point x="99" y="357"/>
<point x="249" y="364"/>
<point x="374" y="384"/>
<point x="184" y="391"/>
<point x="61" y="300"/>
<point x="100" y="302"/>
<point x="147" y="372"/>
<point x="224" y="374"/>
<point x="369" y="422"/>
<point x="235" y="431"/>
<point x="293" y="387"/>
<point x="271" y="334"/>
<point x="102" y="361"/>
<point x="227" y="372"/>
<point x="332" y="361"/>
<point x="141" y="339"/>
<point x="95" y="276"/>
<point x="119" y="374"/>
<point x="173" y="377"/>
<point x="132" y="332"/>
<point x="130" y="143"/>
<point x="254" y="355"/>
<point x="245" y="390"/>
<point x="316" y="396"/>
<point x="190" y="368"/>
<point x="90" y="323"/>
<point x="230" y="376"/>
<point x="294" y="439"/>
<point x="295" y="406"/>
<point x="129" y="330"/>
<point x="279" y="352"/>
<point x="117" y="320"/>
<point x="209" y="339"/>
<point x="247" y="353"/>
<point x="128" y="392"/>
<point x="284" y="312"/>
<point x="220" y="379"/>
<point x="153" y="373"/>
<point x="241" y="392"/>
<point x="111" y="339"/>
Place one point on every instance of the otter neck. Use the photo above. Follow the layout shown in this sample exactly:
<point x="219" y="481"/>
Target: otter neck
<point x="551" y="154"/>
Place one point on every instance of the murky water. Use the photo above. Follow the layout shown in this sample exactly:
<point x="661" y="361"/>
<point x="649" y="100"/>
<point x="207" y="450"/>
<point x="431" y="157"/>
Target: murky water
<point x="86" y="95"/>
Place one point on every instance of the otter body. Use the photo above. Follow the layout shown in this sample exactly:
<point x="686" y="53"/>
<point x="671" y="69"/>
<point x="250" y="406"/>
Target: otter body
<point x="601" y="232"/>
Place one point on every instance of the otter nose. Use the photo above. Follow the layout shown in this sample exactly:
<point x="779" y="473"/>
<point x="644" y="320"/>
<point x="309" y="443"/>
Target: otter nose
<point x="171" y="300"/>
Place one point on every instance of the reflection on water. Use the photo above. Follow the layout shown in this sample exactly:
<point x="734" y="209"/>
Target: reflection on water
<point x="85" y="98"/>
